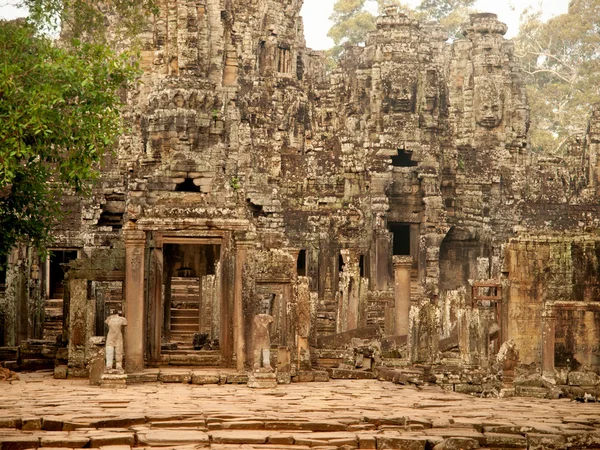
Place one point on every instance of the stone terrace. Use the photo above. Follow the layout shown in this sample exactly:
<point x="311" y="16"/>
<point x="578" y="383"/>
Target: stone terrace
<point x="39" y="411"/>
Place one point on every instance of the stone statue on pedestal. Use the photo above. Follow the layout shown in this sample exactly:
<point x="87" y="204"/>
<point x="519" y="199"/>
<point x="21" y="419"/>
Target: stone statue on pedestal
<point x="262" y="342"/>
<point x="114" y="342"/>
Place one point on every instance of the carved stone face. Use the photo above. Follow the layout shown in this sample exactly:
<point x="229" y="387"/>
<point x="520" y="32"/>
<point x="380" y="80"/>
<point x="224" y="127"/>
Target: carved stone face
<point x="488" y="104"/>
<point x="399" y="96"/>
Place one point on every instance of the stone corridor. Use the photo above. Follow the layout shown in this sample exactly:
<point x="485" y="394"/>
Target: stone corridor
<point x="39" y="411"/>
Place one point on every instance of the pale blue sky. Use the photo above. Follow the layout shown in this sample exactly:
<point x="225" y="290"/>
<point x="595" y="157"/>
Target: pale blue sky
<point x="316" y="15"/>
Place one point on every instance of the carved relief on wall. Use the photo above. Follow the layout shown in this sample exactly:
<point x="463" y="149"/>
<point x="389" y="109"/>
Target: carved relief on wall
<point x="399" y="97"/>
<point x="488" y="102"/>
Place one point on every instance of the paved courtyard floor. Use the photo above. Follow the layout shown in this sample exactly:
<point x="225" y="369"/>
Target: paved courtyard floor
<point x="39" y="411"/>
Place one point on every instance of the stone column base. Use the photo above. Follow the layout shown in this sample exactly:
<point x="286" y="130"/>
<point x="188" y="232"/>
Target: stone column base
<point x="262" y="380"/>
<point x="110" y="380"/>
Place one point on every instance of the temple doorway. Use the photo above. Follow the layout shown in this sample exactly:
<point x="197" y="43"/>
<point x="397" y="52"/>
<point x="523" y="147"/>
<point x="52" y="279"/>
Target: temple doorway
<point x="191" y="297"/>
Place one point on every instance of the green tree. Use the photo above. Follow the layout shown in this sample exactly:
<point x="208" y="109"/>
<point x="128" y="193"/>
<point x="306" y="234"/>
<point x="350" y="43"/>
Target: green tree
<point x="561" y="60"/>
<point x="87" y="20"/>
<point x="451" y="14"/>
<point x="59" y="113"/>
<point x="353" y="19"/>
<point x="351" y="23"/>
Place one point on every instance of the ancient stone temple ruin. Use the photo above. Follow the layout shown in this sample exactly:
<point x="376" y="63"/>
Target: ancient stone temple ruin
<point x="387" y="212"/>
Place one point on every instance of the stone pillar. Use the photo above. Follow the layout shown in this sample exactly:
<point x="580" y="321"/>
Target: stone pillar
<point x="303" y="323"/>
<point x="78" y="324"/>
<point x="156" y="313"/>
<point x="486" y="313"/>
<point x="548" y="341"/>
<point x="238" y="322"/>
<point x="135" y="242"/>
<point x="402" y="266"/>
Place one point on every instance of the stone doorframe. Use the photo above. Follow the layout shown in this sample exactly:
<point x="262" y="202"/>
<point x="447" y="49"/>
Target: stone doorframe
<point x="155" y="316"/>
<point x="549" y="316"/>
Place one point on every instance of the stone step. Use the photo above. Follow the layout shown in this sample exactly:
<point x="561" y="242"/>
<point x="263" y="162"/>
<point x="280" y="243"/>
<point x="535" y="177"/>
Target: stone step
<point x="53" y="314"/>
<point x="184" y="321"/>
<point x="192" y="359"/>
<point x="184" y="328"/>
<point x="187" y="312"/>
<point x="181" y="351"/>
<point x="54" y="303"/>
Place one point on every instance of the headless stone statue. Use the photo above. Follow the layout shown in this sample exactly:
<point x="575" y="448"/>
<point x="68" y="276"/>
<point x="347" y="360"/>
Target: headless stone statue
<point x="262" y="342"/>
<point x="114" y="342"/>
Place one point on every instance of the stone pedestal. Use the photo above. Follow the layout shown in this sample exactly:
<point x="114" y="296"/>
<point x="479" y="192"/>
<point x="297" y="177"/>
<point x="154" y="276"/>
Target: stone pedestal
<point x="402" y="266"/>
<point x="262" y="380"/>
<point x="284" y="367"/>
<point x="96" y="360"/>
<point x="113" y="380"/>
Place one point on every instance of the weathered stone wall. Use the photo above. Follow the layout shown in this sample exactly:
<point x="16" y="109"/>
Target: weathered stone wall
<point x="311" y="180"/>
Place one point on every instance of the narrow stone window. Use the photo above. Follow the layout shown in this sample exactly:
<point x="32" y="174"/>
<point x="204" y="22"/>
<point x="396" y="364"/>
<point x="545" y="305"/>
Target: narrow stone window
<point x="361" y="265"/>
<point x="341" y="263"/>
<point x="401" y="238"/>
<point x="301" y="264"/>
<point x="262" y="57"/>
<point x="299" y="68"/>
<point x="403" y="159"/>
<point x="284" y="60"/>
<point x="187" y="185"/>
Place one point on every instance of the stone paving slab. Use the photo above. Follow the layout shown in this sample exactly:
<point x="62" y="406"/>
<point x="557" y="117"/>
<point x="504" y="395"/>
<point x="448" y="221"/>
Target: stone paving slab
<point x="340" y="414"/>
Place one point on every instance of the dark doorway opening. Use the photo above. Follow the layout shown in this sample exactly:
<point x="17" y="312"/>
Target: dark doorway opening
<point x="403" y="159"/>
<point x="192" y="296"/>
<point x="401" y="238"/>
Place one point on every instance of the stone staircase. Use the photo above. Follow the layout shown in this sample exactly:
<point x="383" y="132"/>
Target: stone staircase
<point x="185" y="322"/>
<point x="185" y="314"/>
<point x="53" y="316"/>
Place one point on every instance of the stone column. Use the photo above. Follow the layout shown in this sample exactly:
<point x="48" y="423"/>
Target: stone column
<point x="135" y="242"/>
<point x="402" y="266"/>
<point x="156" y="313"/>
<point x="548" y="341"/>
<point x="238" y="322"/>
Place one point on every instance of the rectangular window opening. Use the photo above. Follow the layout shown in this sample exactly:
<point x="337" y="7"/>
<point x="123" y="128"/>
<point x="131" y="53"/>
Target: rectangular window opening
<point x="401" y="238"/>
<point x="301" y="264"/>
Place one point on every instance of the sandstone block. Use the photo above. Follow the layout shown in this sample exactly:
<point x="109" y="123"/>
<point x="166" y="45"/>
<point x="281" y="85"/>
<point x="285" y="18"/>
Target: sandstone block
<point x="31" y="423"/>
<point x="10" y="422"/>
<point x="119" y="422"/>
<point x="175" y="377"/>
<point x="205" y="378"/>
<point x="60" y="372"/>
<point x="65" y="441"/>
<point x="50" y="424"/>
<point x="239" y="437"/>
<point x="162" y="438"/>
<point x="350" y="374"/>
<point x="505" y="440"/>
<point x="237" y="378"/>
<point x="321" y="375"/>
<point x="582" y="379"/>
<point x="457" y="444"/>
<point x="111" y="439"/>
<point x="537" y="441"/>
<point x="398" y="442"/>
<point x="19" y="442"/>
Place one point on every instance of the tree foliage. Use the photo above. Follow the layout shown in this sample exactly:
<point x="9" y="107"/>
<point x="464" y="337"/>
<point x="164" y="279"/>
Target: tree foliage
<point x="353" y="19"/>
<point x="59" y="113"/>
<point x="451" y="14"/>
<point x="87" y="20"/>
<point x="561" y="59"/>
